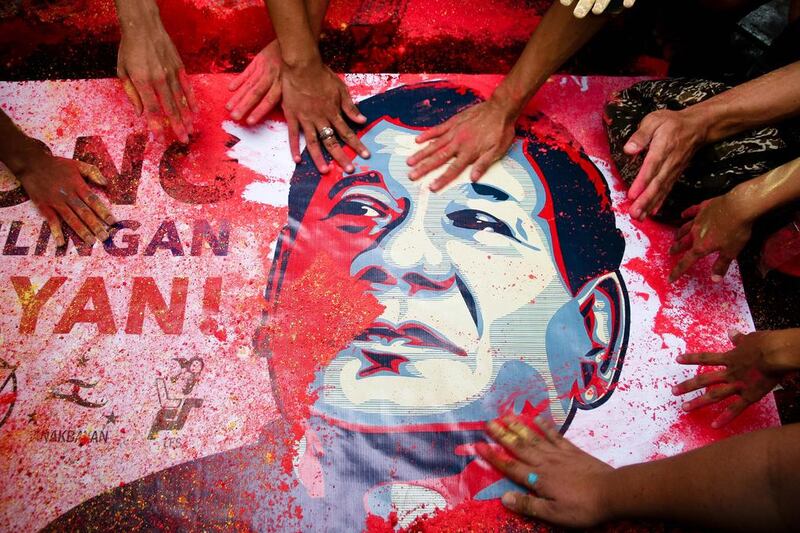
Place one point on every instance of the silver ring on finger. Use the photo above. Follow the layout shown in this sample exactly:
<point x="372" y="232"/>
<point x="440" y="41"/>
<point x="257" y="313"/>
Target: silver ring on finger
<point x="326" y="133"/>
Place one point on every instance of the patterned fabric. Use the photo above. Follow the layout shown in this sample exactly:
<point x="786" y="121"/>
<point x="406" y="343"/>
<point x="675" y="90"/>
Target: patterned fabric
<point x="716" y="168"/>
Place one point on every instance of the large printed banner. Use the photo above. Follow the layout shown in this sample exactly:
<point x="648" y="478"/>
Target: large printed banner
<point x="261" y="347"/>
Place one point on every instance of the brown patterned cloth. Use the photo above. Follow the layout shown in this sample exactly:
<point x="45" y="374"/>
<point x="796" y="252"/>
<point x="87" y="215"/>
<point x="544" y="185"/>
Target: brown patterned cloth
<point x="716" y="168"/>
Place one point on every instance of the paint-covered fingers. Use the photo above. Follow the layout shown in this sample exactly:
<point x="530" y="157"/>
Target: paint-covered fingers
<point x="600" y="6"/>
<point x="582" y="8"/>
<point x="294" y="136"/>
<point x="72" y="220"/>
<point x="459" y="165"/>
<point x="182" y="102"/>
<point x="685" y="263"/>
<point x="170" y="107"/>
<point x="733" y="410"/>
<point x="528" y="505"/>
<point x="702" y="358"/>
<point x="699" y="382"/>
<point x="188" y="90"/>
<point x="88" y="216"/>
<point x="516" y="470"/>
<point x="314" y="146"/>
<point x="349" y="137"/>
<point x="266" y="104"/>
<point x="92" y="173"/>
<point x="437" y="157"/>
<point x="99" y="207"/>
<point x="349" y="107"/>
<point x="243" y="76"/>
<point x="54" y="223"/>
<point x="434" y="132"/>
<point x="130" y="91"/>
<point x="549" y="430"/>
<point x="711" y="396"/>
<point x="333" y="147"/>
<point x="720" y="267"/>
<point x="152" y="110"/>
<point x="421" y="155"/>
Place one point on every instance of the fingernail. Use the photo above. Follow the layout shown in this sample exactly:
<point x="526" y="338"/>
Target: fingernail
<point x="679" y="359"/>
<point x="297" y="159"/>
<point x="349" y="169"/>
<point x="685" y="406"/>
<point x="228" y="107"/>
<point x="509" y="499"/>
<point x="365" y="154"/>
<point x="715" y="424"/>
<point x="412" y="175"/>
<point x="251" y="121"/>
<point x="631" y="146"/>
<point x="675" y="391"/>
<point x="716" y="278"/>
<point x="361" y="117"/>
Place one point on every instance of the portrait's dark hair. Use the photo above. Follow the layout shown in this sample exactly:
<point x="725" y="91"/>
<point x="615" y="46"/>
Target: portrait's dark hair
<point x="589" y="242"/>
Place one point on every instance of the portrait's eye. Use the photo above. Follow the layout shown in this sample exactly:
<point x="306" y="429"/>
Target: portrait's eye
<point x="358" y="206"/>
<point x="479" y="221"/>
<point x="361" y="206"/>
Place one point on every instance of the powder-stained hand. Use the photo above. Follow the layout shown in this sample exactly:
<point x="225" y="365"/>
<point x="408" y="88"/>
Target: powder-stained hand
<point x="584" y="7"/>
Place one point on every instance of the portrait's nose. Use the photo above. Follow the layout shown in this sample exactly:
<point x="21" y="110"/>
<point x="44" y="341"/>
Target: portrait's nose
<point x="411" y="254"/>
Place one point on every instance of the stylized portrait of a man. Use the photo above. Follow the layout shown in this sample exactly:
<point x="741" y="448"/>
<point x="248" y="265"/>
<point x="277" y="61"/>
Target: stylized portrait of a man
<point x="490" y="297"/>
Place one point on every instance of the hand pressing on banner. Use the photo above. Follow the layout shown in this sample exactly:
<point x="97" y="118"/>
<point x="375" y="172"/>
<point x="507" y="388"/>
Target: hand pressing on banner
<point x="671" y="138"/>
<point x="316" y="102"/>
<point x="56" y="185"/>
<point x="258" y="88"/>
<point x="715" y="226"/>
<point x="566" y="485"/>
<point x="478" y="136"/>
<point x="152" y="72"/>
<point x="723" y="225"/>
<point x="584" y="7"/>
<point x="482" y="134"/>
<point x="748" y="372"/>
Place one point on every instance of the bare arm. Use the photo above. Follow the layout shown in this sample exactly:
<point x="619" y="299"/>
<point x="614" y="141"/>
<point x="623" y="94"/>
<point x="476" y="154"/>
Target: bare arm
<point x="746" y="482"/>
<point x="482" y="134"/>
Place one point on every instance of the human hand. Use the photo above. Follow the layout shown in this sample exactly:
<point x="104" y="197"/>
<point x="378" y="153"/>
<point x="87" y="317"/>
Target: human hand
<point x="597" y="7"/>
<point x="566" y="484"/>
<point x="258" y="88"/>
<point x="314" y="98"/>
<point x="57" y="187"/>
<point x="481" y="134"/>
<point x="718" y="225"/>
<point x="155" y="80"/>
<point x="751" y="370"/>
<point x="671" y="139"/>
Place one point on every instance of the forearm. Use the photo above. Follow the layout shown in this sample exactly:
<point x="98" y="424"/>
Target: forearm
<point x="762" y="101"/>
<point x="138" y="16"/>
<point x="558" y="36"/>
<point x="761" y="195"/>
<point x="315" y="10"/>
<point x="16" y="148"/>
<point x="745" y="482"/>
<point x="295" y="31"/>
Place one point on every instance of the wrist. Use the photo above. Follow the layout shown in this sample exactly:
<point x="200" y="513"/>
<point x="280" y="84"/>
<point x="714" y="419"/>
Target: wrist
<point x="782" y="351"/>
<point x="138" y="18"/>
<point x="743" y="206"/>
<point x="510" y="102"/>
<point x="301" y="61"/>
<point x="25" y="155"/>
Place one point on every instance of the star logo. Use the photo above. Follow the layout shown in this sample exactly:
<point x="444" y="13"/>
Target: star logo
<point x="112" y="418"/>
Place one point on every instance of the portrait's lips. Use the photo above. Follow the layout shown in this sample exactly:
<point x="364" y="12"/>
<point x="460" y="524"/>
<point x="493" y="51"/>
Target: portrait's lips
<point x="414" y="333"/>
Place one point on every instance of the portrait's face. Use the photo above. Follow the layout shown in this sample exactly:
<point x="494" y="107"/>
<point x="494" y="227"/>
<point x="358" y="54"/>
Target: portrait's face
<point x="477" y="314"/>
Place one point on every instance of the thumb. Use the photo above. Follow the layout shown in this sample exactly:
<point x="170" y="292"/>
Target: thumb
<point x="641" y="137"/>
<point x="735" y="336"/>
<point x="720" y="267"/>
